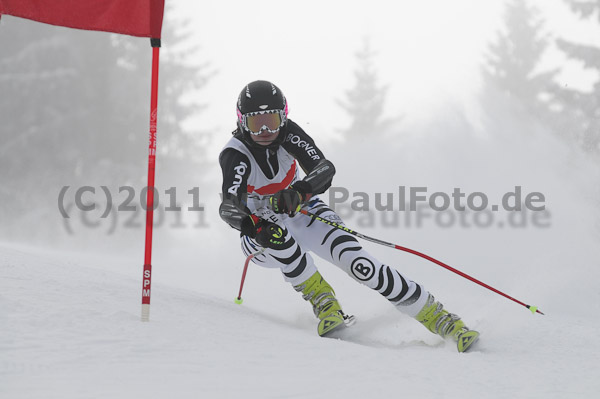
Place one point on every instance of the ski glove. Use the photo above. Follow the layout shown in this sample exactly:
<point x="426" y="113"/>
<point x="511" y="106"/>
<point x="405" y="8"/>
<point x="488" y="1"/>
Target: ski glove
<point x="266" y="234"/>
<point x="290" y="200"/>
<point x="270" y="235"/>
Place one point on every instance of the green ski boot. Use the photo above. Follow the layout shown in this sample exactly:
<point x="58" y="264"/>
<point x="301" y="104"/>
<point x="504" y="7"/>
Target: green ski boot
<point x="447" y="325"/>
<point x="326" y="307"/>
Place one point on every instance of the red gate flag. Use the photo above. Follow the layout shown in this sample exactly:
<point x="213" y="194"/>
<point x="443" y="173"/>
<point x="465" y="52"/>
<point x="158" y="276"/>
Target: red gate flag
<point x="130" y="17"/>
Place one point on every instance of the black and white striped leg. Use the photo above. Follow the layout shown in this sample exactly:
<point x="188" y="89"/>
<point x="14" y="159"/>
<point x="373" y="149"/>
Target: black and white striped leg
<point x="295" y="264"/>
<point x="345" y="251"/>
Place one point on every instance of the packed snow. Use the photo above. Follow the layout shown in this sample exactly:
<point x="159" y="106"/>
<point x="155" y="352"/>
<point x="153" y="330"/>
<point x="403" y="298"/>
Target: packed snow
<point x="71" y="318"/>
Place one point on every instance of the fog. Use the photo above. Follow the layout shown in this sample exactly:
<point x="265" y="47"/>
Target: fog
<point x="460" y="95"/>
<point x="467" y="130"/>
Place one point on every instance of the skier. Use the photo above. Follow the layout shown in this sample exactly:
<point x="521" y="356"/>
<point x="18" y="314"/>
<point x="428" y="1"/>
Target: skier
<point x="262" y="196"/>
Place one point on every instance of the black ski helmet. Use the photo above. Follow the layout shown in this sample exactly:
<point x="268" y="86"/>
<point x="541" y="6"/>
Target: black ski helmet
<point x="261" y="97"/>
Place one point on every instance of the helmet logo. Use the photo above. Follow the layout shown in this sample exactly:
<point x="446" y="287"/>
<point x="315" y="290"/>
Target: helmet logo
<point x="263" y="106"/>
<point x="248" y="91"/>
<point x="274" y="89"/>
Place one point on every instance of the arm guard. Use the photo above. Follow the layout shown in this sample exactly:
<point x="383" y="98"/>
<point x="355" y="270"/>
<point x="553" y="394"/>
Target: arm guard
<point x="320" y="177"/>
<point x="233" y="213"/>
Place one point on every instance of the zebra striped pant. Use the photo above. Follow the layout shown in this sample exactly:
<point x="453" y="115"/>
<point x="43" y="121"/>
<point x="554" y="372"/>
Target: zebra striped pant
<point x="304" y="234"/>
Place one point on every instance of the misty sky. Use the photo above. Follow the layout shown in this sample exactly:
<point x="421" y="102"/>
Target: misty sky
<point x="429" y="53"/>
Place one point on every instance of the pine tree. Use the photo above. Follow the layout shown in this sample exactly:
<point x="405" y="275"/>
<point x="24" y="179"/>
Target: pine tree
<point x="366" y="100"/>
<point x="580" y="110"/>
<point x="511" y="72"/>
<point x="179" y="148"/>
<point x="74" y="110"/>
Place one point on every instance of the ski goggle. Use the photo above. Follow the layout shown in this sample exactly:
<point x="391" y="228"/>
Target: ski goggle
<point x="258" y="122"/>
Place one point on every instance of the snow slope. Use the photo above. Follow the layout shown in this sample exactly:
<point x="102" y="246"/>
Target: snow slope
<point x="69" y="322"/>
<point x="70" y="328"/>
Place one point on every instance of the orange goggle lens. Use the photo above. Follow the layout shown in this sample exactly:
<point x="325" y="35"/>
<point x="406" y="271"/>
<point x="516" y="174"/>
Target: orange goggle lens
<point x="258" y="122"/>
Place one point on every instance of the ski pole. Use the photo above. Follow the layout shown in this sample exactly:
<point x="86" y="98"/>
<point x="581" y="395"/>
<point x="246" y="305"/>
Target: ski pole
<point x="533" y="309"/>
<point x="239" y="299"/>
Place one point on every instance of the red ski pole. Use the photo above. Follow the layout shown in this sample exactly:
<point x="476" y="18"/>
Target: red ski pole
<point x="533" y="309"/>
<point x="239" y="299"/>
